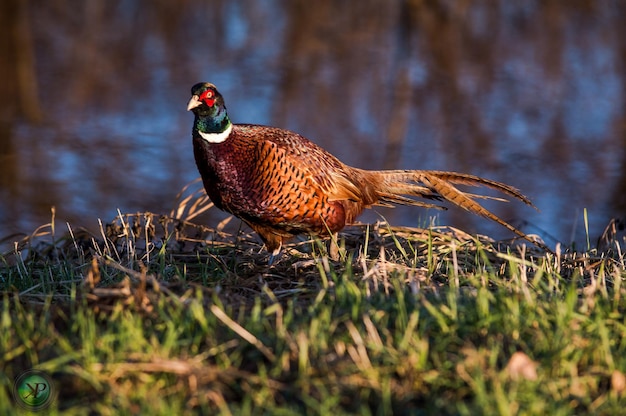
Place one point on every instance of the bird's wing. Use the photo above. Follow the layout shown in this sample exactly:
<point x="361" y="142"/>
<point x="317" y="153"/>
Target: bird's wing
<point x="322" y="168"/>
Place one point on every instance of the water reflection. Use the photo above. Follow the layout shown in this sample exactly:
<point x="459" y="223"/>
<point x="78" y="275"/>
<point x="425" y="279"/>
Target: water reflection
<point x="532" y="94"/>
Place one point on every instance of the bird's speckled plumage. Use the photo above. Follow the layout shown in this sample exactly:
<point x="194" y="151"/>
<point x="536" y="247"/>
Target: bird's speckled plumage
<point x="282" y="184"/>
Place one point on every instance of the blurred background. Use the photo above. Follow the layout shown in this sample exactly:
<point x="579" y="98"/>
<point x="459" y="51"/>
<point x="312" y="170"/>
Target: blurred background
<point x="93" y="97"/>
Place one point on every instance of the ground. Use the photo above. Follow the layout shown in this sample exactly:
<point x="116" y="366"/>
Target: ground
<point x="160" y="315"/>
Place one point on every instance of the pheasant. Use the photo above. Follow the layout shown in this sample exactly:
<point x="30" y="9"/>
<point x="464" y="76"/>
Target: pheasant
<point x="282" y="184"/>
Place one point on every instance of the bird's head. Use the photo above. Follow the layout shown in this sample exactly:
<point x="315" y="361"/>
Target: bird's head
<point x="205" y="100"/>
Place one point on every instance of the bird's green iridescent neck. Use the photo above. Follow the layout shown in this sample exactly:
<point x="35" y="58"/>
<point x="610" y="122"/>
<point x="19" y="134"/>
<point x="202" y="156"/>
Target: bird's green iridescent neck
<point x="208" y="123"/>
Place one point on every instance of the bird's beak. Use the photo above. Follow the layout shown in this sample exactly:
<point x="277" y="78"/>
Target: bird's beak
<point x="193" y="103"/>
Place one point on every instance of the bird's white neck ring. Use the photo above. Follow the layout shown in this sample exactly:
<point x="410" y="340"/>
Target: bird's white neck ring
<point x="217" y="137"/>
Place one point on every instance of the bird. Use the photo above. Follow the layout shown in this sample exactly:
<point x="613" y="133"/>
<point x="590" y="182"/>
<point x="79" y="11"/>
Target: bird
<point x="283" y="185"/>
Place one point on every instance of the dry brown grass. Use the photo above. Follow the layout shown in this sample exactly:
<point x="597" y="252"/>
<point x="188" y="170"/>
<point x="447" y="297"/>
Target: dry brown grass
<point x="160" y="300"/>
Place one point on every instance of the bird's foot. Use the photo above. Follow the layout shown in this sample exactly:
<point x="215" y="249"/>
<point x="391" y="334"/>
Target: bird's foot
<point x="275" y="253"/>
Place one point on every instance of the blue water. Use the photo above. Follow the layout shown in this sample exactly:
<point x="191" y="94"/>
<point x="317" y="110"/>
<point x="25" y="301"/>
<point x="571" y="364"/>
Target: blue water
<point x="506" y="96"/>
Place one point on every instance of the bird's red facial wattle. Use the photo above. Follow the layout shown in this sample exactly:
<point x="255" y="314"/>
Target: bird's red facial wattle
<point x="208" y="97"/>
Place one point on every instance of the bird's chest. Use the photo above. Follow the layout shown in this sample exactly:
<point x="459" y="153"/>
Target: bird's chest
<point x="226" y="169"/>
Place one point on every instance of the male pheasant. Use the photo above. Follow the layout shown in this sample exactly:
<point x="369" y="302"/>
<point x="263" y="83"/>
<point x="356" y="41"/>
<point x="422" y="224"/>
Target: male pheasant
<point x="281" y="184"/>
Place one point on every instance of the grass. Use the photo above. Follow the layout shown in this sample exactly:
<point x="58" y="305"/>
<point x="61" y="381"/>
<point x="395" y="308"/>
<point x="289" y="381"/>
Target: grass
<point x="159" y="315"/>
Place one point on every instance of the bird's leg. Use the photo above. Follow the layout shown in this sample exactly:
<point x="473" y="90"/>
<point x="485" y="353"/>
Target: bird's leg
<point x="333" y="247"/>
<point x="274" y="254"/>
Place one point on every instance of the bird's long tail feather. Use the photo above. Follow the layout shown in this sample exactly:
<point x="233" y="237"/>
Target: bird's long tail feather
<point x="395" y="187"/>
